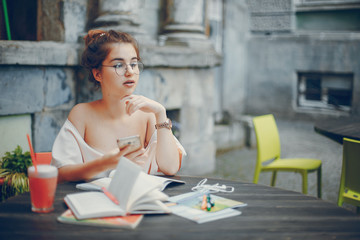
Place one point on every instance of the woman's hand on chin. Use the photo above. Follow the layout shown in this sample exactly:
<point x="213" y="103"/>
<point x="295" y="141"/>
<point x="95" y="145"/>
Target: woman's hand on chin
<point x="137" y="102"/>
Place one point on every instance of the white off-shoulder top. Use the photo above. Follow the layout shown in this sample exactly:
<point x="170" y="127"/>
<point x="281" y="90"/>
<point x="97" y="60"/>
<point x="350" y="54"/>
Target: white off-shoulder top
<point x="70" y="148"/>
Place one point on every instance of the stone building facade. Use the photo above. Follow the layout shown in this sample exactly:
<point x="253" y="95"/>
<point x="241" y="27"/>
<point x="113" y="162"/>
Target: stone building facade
<point x="210" y="62"/>
<point x="297" y="59"/>
<point x="42" y="80"/>
<point x="308" y="51"/>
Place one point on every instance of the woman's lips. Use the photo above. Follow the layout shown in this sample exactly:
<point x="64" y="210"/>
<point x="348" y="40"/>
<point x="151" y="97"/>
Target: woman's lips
<point x="129" y="83"/>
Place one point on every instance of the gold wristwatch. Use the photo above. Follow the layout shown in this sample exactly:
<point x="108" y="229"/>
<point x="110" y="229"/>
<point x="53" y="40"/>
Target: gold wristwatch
<point x="167" y="124"/>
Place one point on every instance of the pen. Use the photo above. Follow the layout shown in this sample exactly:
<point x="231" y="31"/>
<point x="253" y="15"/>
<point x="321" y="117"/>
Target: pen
<point x="192" y="196"/>
<point x="204" y="203"/>
<point x="110" y="196"/>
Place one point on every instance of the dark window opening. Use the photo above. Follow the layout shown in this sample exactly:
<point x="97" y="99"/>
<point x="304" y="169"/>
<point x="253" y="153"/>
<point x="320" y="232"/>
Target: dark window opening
<point x="339" y="97"/>
<point x="333" y="20"/>
<point x="331" y="91"/>
<point x="313" y="88"/>
<point x="22" y="16"/>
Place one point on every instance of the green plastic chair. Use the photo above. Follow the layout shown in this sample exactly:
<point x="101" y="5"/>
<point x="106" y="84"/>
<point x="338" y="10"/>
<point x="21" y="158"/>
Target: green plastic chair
<point x="268" y="155"/>
<point x="349" y="191"/>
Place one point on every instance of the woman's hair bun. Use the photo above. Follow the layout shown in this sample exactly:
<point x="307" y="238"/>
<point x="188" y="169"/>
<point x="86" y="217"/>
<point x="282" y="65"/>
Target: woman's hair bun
<point x="92" y="35"/>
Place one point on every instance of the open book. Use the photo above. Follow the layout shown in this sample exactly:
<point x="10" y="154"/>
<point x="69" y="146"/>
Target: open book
<point x="130" y="190"/>
<point x="97" y="184"/>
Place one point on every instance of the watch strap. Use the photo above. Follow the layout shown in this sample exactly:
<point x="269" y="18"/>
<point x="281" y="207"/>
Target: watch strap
<point x="167" y="124"/>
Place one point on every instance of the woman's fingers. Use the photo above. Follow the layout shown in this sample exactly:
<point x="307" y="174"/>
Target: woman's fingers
<point x="139" y="106"/>
<point x="112" y="158"/>
<point x="135" y="103"/>
<point x="124" y="150"/>
<point x="135" y="154"/>
<point x="132" y="105"/>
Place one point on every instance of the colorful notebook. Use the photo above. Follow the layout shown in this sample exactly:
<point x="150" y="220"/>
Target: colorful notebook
<point x="188" y="205"/>
<point x="130" y="221"/>
<point x="194" y="200"/>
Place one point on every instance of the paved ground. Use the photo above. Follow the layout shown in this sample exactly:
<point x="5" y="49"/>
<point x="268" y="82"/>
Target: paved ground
<point x="298" y="139"/>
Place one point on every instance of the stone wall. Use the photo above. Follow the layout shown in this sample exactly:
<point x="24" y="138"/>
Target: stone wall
<point x="271" y="16"/>
<point x="263" y="53"/>
<point x="276" y="57"/>
<point x="283" y="57"/>
<point x="43" y="79"/>
<point x="37" y="80"/>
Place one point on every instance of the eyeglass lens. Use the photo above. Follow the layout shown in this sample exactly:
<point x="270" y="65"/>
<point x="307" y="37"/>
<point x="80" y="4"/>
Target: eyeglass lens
<point x="136" y="68"/>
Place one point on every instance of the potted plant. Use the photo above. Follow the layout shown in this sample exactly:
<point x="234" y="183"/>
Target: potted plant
<point x="13" y="173"/>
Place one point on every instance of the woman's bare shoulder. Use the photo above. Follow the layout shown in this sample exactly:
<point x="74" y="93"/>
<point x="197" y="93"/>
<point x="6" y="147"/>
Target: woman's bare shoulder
<point x="79" y="113"/>
<point x="79" y="110"/>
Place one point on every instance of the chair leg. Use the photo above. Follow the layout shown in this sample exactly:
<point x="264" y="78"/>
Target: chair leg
<point x="273" y="178"/>
<point x="319" y="182"/>
<point x="256" y="174"/>
<point x="340" y="201"/>
<point x="305" y="182"/>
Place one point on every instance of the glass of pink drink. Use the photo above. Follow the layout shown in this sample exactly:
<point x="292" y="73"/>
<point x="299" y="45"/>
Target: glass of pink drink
<point x="43" y="184"/>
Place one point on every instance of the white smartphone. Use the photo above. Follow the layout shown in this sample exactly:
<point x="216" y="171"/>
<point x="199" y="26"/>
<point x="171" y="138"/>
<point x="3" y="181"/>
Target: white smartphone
<point x="133" y="141"/>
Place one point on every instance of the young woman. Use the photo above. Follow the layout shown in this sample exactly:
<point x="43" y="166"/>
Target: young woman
<point x="86" y="146"/>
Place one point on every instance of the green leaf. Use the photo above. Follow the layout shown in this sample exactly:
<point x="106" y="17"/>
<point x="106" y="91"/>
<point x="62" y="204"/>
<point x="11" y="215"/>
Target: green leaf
<point x="13" y="168"/>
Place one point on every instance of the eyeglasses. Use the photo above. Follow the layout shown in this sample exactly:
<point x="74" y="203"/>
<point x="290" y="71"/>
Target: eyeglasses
<point x="121" y="68"/>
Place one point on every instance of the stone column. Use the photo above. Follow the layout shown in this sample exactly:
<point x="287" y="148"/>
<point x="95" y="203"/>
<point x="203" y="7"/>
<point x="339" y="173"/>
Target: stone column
<point x="185" y="24"/>
<point x="121" y="15"/>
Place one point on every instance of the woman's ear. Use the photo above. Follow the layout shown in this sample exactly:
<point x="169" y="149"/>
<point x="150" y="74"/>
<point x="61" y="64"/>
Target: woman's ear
<point x="97" y="74"/>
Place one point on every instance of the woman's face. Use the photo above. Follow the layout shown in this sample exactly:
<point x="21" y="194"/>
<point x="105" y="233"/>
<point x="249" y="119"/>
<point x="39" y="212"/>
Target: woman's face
<point x="123" y="79"/>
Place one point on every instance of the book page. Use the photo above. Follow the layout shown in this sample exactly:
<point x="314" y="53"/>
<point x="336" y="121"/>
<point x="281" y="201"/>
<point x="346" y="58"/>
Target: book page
<point x="123" y="181"/>
<point x="95" y="185"/>
<point x="166" y="181"/>
<point x="143" y="185"/>
<point x="129" y="184"/>
<point x="153" y="207"/>
<point x="92" y="204"/>
<point x="153" y="201"/>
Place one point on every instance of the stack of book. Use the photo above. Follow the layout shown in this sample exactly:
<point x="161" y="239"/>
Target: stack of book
<point x="122" y="199"/>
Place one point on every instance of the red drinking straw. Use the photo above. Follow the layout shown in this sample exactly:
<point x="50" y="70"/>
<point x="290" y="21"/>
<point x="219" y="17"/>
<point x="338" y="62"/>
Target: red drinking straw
<point x="32" y="154"/>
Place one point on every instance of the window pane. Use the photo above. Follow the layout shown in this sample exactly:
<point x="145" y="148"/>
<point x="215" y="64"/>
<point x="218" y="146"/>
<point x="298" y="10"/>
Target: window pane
<point x="313" y="89"/>
<point x="339" y="97"/>
<point x="23" y="19"/>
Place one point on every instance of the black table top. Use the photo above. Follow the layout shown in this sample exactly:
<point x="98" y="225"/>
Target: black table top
<point x="337" y="129"/>
<point x="272" y="213"/>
